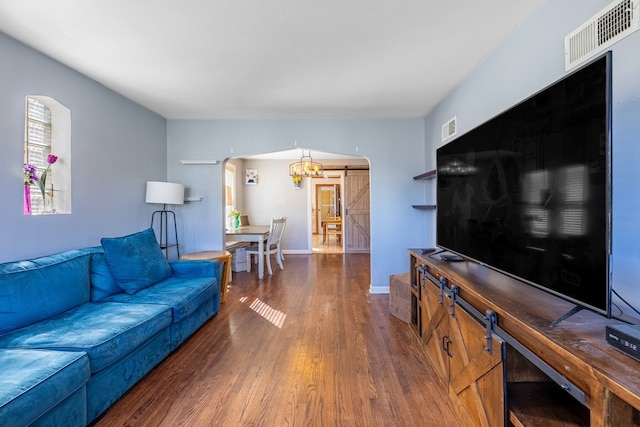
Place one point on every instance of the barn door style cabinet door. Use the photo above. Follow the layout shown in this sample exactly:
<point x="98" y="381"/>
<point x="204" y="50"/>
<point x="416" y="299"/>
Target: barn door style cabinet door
<point x="504" y="359"/>
<point x="468" y="359"/>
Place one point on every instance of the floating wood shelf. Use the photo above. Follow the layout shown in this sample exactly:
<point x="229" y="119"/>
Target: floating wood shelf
<point x="427" y="175"/>
<point x="199" y="162"/>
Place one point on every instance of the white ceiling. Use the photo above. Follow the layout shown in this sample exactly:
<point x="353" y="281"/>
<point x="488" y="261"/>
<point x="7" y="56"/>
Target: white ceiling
<point x="234" y="59"/>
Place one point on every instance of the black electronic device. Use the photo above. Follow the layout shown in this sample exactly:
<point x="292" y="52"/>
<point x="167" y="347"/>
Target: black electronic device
<point x="451" y="258"/>
<point x="528" y="193"/>
<point x="625" y="338"/>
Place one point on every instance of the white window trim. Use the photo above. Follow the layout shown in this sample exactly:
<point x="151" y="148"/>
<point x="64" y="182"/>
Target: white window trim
<point x="61" y="147"/>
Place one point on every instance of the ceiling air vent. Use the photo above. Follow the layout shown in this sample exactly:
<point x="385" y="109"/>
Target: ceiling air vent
<point x="449" y="128"/>
<point x="611" y="24"/>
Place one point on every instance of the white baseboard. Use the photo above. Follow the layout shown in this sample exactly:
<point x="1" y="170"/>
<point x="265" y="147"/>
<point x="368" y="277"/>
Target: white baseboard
<point x="296" y="252"/>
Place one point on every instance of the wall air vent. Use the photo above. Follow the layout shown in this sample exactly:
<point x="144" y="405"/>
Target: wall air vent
<point x="449" y="128"/>
<point x="611" y="24"/>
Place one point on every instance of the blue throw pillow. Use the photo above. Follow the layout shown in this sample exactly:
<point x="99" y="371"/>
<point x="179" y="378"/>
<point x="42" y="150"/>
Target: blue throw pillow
<point x="136" y="261"/>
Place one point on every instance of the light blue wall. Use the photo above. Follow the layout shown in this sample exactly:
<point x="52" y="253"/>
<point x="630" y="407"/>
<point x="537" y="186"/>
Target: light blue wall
<point x="116" y="146"/>
<point x="394" y="147"/>
<point x="533" y="58"/>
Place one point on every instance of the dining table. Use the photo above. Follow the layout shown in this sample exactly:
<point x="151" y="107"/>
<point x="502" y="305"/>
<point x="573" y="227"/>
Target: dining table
<point x="251" y="234"/>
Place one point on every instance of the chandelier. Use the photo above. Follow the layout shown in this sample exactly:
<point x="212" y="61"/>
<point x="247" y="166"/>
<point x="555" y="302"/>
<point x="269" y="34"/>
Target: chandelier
<point x="305" y="167"/>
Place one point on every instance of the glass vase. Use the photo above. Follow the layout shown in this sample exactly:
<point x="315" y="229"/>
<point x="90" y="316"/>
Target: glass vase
<point x="236" y="221"/>
<point x="48" y="204"/>
<point x="27" y="200"/>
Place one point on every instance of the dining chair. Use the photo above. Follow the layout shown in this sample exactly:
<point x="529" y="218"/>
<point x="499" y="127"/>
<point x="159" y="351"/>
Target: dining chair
<point x="334" y="228"/>
<point x="272" y="246"/>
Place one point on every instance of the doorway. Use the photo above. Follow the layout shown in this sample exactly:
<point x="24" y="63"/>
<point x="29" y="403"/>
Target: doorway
<point x="327" y="206"/>
<point x="327" y="203"/>
<point x="351" y="202"/>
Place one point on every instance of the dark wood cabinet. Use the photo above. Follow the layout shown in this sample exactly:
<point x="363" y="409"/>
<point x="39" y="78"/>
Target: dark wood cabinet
<point x="538" y="372"/>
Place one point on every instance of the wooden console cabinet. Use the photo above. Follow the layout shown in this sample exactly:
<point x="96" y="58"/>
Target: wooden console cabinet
<point x="457" y="349"/>
<point x="502" y="357"/>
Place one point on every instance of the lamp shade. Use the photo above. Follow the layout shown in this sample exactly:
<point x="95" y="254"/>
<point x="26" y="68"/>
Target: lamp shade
<point x="168" y="193"/>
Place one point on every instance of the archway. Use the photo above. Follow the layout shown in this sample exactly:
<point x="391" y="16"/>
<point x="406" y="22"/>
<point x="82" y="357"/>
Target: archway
<point x="273" y="194"/>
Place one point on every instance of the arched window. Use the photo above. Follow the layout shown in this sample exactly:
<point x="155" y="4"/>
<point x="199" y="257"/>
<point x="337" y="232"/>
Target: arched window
<point x="47" y="157"/>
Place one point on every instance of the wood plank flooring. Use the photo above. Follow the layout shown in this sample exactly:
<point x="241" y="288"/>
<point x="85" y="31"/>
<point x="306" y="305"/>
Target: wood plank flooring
<point x="308" y="346"/>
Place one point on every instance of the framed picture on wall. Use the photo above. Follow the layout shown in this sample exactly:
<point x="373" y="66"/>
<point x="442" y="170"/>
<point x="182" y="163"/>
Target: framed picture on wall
<point x="251" y="176"/>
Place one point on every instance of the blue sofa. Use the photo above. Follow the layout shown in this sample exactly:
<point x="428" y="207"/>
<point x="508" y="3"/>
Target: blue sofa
<point x="79" y="328"/>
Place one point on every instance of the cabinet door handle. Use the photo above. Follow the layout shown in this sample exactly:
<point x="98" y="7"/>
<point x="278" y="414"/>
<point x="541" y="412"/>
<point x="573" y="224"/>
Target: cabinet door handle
<point x="445" y="344"/>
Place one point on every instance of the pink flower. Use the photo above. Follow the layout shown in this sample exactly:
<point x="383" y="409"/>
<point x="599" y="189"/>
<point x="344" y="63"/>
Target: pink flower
<point x="42" y="182"/>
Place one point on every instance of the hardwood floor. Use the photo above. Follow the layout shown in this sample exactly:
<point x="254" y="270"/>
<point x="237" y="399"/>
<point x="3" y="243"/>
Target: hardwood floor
<point x="331" y="246"/>
<point x="308" y="346"/>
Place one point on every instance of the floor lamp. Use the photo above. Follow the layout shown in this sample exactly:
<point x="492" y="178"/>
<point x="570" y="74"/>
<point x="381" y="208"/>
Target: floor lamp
<point x="165" y="193"/>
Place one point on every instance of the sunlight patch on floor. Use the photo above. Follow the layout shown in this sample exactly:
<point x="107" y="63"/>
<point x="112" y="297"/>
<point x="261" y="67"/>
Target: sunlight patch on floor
<point x="276" y="317"/>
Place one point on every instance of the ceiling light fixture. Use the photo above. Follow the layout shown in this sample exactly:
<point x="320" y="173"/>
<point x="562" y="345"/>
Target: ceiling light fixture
<point x="305" y="167"/>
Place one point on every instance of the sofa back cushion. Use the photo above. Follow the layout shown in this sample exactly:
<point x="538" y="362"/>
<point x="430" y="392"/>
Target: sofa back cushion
<point x="136" y="261"/>
<point x="37" y="289"/>
<point x="103" y="284"/>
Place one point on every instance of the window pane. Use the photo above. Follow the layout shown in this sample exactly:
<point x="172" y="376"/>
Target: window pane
<point x="38" y="111"/>
<point x="37" y="156"/>
<point x="38" y="133"/>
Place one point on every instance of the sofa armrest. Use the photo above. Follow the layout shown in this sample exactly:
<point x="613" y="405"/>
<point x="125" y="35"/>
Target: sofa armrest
<point x="196" y="268"/>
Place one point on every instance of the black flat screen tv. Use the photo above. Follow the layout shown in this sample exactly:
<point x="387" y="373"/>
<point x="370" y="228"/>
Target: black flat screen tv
<point x="528" y="193"/>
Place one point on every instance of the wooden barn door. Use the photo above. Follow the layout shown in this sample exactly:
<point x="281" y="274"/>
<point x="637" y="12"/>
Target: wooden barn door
<point x="476" y="378"/>
<point x="356" y="228"/>
<point x="456" y="343"/>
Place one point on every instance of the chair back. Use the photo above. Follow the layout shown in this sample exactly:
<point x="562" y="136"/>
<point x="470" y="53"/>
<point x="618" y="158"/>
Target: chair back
<point x="244" y="220"/>
<point x="276" y="232"/>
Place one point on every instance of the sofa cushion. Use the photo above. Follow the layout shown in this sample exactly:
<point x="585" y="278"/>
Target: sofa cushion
<point x="34" y="290"/>
<point x="183" y="295"/>
<point x="136" y="261"/>
<point x="103" y="284"/>
<point x="106" y="331"/>
<point x="34" y="381"/>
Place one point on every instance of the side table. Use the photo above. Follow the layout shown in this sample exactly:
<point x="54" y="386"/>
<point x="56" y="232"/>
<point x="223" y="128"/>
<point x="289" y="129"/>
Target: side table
<point x="224" y="257"/>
